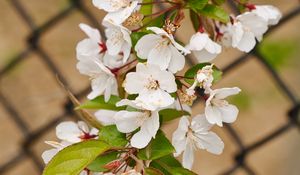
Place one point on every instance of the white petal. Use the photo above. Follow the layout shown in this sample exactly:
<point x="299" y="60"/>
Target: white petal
<point x="198" y="41"/>
<point x="98" y="86"/>
<point x="213" y="115"/>
<point x="146" y="44"/>
<point x="200" y="123"/>
<point x="158" y="31"/>
<point x="112" y="61"/>
<point x="87" y="49"/>
<point x="188" y="157"/>
<point x="92" y="33"/>
<point x="141" y="139"/>
<point x="126" y="121"/>
<point x="134" y="83"/>
<point x="179" y="135"/>
<point x="156" y="98"/>
<point x="83" y="127"/>
<point x="49" y="154"/>
<point x="177" y="61"/>
<point x="166" y="81"/>
<point x="256" y="24"/>
<point x="210" y="142"/>
<point x="152" y="124"/>
<point x="247" y="43"/>
<point x="68" y="131"/>
<point x="225" y="92"/>
<point x="160" y="55"/>
<point x="106" y="117"/>
<point x="269" y="13"/>
<point x="229" y="113"/>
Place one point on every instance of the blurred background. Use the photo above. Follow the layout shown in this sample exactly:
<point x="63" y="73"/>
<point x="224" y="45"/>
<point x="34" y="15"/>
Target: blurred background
<point x="37" y="42"/>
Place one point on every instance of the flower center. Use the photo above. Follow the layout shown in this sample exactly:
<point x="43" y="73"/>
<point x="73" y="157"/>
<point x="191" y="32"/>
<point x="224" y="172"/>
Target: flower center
<point x="152" y="84"/>
<point x="219" y="102"/>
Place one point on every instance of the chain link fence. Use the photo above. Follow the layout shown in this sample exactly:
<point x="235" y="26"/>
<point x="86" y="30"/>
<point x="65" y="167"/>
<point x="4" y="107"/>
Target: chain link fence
<point x="30" y="137"/>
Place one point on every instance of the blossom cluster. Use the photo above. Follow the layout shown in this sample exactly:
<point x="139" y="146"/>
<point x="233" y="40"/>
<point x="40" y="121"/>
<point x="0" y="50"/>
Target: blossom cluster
<point x="139" y="62"/>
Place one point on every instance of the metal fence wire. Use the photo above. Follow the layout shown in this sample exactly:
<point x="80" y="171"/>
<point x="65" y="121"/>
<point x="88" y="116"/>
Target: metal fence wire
<point x="33" y="45"/>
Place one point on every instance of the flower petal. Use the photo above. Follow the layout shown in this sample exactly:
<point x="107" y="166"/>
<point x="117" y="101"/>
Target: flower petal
<point x="188" y="157"/>
<point x="106" y="117"/>
<point x="92" y="33"/>
<point x="177" y="61"/>
<point x="210" y="142"/>
<point x="126" y="121"/>
<point x="213" y="115"/>
<point x="229" y="113"/>
<point x="146" y="44"/>
<point x="141" y="139"/>
<point x="225" y="92"/>
<point x="68" y="131"/>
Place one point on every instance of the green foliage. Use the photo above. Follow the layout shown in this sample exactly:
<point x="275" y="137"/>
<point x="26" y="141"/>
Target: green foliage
<point x="215" y="12"/>
<point x="171" y="114"/>
<point x="99" y="103"/>
<point x="170" y="166"/>
<point x="192" y="72"/>
<point x="98" y="164"/>
<point x="146" y="10"/>
<point x="158" y="147"/>
<point x="73" y="159"/>
<point x="153" y="171"/>
<point x="218" y="2"/>
<point x="195" y="20"/>
<point x="278" y="53"/>
<point x="196" y="5"/>
<point x="112" y="136"/>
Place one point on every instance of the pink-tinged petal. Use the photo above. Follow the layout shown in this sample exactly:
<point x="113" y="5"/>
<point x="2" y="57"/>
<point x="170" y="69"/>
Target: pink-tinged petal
<point x="106" y="117"/>
<point x="177" y="61"/>
<point x="229" y="113"/>
<point x="213" y="115"/>
<point x="188" y="157"/>
<point x="141" y="139"/>
<point x="127" y="122"/>
<point x="146" y="44"/>
<point x="210" y="142"/>
<point x="92" y="33"/>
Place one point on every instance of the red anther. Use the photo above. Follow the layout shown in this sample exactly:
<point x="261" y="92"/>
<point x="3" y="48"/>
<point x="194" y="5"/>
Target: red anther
<point x="113" y="165"/>
<point x="250" y="6"/>
<point x="87" y="136"/>
<point x="102" y="47"/>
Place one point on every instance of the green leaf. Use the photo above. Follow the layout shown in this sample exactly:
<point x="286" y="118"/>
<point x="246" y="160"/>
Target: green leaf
<point x="158" y="147"/>
<point x="73" y="159"/>
<point x="218" y="2"/>
<point x="196" y="5"/>
<point x="98" y="164"/>
<point x="171" y="114"/>
<point x="191" y="73"/>
<point x="99" y="103"/>
<point x="153" y="171"/>
<point x="170" y="166"/>
<point x="215" y="12"/>
<point x="146" y="10"/>
<point x="112" y="136"/>
<point x="195" y="20"/>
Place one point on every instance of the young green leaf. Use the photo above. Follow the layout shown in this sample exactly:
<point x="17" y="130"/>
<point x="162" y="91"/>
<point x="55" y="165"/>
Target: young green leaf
<point x="195" y="20"/>
<point x="171" y="114"/>
<point x="196" y="5"/>
<point x="146" y="10"/>
<point x="98" y="164"/>
<point x="215" y="12"/>
<point x="192" y="72"/>
<point x="153" y="171"/>
<point x="158" y="147"/>
<point x="73" y="159"/>
<point x="170" y="166"/>
<point x="112" y="136"/>
<point x="99" y="103"/>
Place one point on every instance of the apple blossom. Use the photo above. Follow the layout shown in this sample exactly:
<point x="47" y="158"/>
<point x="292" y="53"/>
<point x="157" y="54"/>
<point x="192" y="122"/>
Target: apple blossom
<point x="204" y="78"/>
<point x="162" y="50"/>
<point x="218" y="110"/>
<point x="203" y="47"/>
<point x="129" y="121"/>
<point x="190" y="136"/>
<point x="119" y="10"/>
<point x="268" y="12"/>
<point x="152" y="84"/>
<point x="118" y="40"/>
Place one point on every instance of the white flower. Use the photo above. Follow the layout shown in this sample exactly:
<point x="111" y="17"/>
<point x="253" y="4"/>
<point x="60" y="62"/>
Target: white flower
<point x="161" y="49"/>
<point x="69" y="133"/>
<point x="106" y="117"/>
<point x="218" y="110"/>
<point x="129" y="121"/>
<point x="103" y="80"/>
<point x="190" y="136"/>
<point x="92" y="46"/>
<point x="118" y="40"/>
<point x="205" y="78"/>
<point x="152" y="84"/>
<point x="203" y="47"/>
<point x="269" y="13"/>
<point x="242" y="34"/>
<point x="119" y="10"/>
